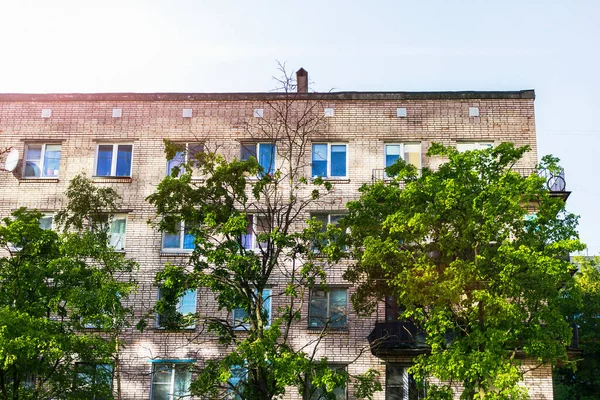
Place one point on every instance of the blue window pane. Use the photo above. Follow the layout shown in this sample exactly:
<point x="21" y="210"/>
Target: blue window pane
<point x="338" y="160"/>
<point x="124" y="160"/>
<point x="392" y="154"/>
<point x="248" y="150"/>
<point x="188" y="239"/>
<point x="267" y="157"/>
<point x="104" y="159"/>
<point x="51" y="160"/>
<point x="171" y="240"/>
<point x="175" y="162"/>
<point x="319" y="160"/>
<point x="187" y="302"/>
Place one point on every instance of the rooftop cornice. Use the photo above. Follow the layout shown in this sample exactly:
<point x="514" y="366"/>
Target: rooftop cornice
<point x="331" y="96"/>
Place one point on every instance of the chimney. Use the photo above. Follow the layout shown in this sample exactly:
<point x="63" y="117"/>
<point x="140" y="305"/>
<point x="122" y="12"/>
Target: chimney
<point x="302" y="81"/>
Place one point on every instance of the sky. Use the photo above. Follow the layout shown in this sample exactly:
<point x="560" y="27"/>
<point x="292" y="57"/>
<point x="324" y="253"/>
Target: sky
<point x="232" y="46"/>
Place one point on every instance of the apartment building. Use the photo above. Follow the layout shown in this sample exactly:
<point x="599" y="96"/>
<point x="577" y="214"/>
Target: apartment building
<point x="117" y="139"/>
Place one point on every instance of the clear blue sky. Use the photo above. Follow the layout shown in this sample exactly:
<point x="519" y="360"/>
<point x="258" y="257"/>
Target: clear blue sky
<point x="220" y="46"/>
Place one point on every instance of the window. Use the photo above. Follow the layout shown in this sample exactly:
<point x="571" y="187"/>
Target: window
<point x="240" y="315"/>
<point x="186" y="304"/>
<point x="94" y="381"/>
<point x="181" y="240"/>
<point x="170" y="381"/>
<point x="256" y="224"/>
<point x="116" y="226"/>
<point x="181" y="157"/>
<point x="470" y="146"/>
<point x="400" y="385"/>
<point x="239" y="375"/>
<point x="42" y="161"/>
<point x="47" y="221"/>
<point x="313" y="393"/>
<point x="114" y="159"/>
<point x="325" y="220"/>
<point x="410" y="152"/>
<point x="329" y="160"/>
<point x="265" y="153"/>
<point x="327" y="308"/>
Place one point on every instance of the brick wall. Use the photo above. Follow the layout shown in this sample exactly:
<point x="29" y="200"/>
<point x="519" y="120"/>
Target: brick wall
<point x="363" y="121"/>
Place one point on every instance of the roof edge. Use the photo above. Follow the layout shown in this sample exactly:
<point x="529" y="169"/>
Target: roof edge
<point x="461" y="95"/>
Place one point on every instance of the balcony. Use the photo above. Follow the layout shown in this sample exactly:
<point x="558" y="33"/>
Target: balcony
<point x="555" y="183"/>
<point x="396" y="338"/>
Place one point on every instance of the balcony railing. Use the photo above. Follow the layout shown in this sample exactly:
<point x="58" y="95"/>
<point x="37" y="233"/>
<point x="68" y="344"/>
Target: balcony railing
<point x="396" y="337"/>
<point x="404" y="337"/>
<point x="555" y="183"/>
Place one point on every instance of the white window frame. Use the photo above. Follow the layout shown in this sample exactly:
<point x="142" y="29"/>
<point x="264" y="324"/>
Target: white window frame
<point x="329" y="144"/>
<point x="185" y="157"/>
<point x="406" y="382"/>
<point x="113" y="166"/>
<point x="41" y="161"/>
<point x="402" y="153"/>
<point x="327" y="323"/>
<point x="254" y="244"/>
<point x="179" y="249"/>
<point x="238" y="325"/>
<point x="111" y="236"/>
<point x="468" y="145"/>
<point x="172" y="365"/>
<point x="178" y="307"/>
<point x="257" y="152"/>
<point x="45" y="216"/>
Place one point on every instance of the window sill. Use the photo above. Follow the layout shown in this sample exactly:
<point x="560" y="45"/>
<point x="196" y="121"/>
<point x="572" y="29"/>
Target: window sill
<point x="38" y="180"/>
<point x="316" y="330"/>
<point x="111" y="179"/>
<point x="335" y="180"/>
<point x="175" y="253"/>
<point x="184" y="329"/>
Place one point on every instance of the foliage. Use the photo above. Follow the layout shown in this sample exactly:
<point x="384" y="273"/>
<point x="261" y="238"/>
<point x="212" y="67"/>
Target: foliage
<point x="475" y="254"/>
<point x="53" y="285"/>
<point x="579" y="378"/>
<point x="249" y="252"/>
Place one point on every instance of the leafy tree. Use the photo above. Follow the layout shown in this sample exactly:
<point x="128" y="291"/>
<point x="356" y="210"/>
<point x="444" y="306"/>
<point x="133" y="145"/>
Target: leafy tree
<point x="53" y="285"/>
<point x="250" y="249"/>
<point x="475" y="254"/>
<point x="579" y="379"/>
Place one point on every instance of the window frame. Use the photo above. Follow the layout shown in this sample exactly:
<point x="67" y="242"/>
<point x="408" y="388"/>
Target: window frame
<point x="408" y="384"/>
<point x="178" y="307"/>
<point x="255" y="245"/>
<point x="41" y="160"/>
<point x="47" y="215"/>
<point x="185" y="153"/>
<point x="181" y="248"/>
<point x="94" y="376"/>
<point x="329" y="160"/>
<point x="331" y="366"/>
<point x="402" y="153"/>
<point x="327" y="324"/>
<point x="477" y="145"/>
<point x="256" y="154"/>
<point x="173" y="370"/>
<point x="114" y="158"/>
<point x="238" y="325"/>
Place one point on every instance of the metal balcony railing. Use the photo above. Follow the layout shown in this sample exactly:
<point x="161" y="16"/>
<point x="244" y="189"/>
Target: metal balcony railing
<point x="396" y="336"/>
<point x="555" y="183"/>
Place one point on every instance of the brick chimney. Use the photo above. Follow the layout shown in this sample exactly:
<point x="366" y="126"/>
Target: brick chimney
<point x="302" y="81"/>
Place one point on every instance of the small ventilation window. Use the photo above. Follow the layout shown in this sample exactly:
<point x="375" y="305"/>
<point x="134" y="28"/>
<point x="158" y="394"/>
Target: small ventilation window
<point x="401" y="112"/>
<point x="329" y="112"/>
<point x="259" y="113"/>
<point x="117" y="113"/>
<point x="46" y="113"/>
<point x="473" y="111"/>
<point x="187" y="113"/>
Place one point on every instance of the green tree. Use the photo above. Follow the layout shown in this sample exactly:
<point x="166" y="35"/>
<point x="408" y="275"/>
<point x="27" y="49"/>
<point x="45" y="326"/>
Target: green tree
<point x="579" y="378"/>
<point x="476" y="255"/>
<point x="253" y="247"/>
<point x="52" y="286"/>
